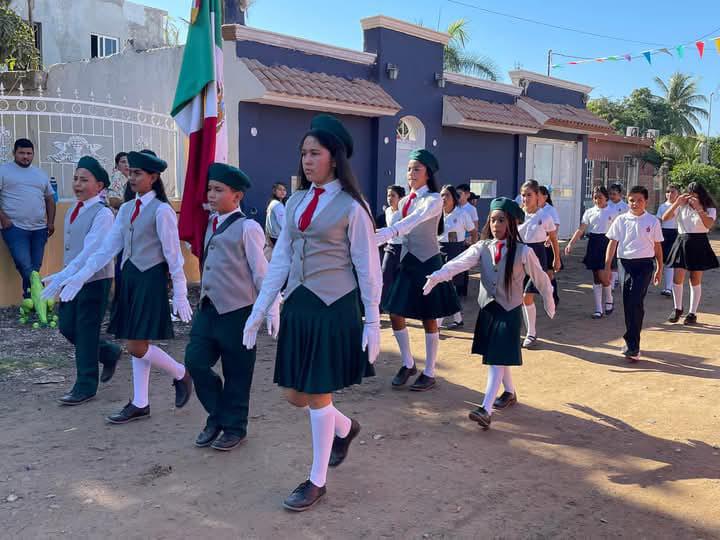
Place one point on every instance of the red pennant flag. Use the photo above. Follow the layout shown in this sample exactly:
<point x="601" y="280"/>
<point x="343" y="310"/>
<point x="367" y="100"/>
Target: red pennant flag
<point x="700" y="47"/>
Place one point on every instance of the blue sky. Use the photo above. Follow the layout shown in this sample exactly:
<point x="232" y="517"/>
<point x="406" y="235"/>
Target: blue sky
<point x="510" y="42"/>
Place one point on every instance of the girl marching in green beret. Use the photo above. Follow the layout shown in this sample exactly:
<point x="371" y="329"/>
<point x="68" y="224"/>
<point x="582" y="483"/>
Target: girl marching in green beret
<point x="504" y="264"/>
<point x="146" y="231"/>
<point x="326" y="252"/>
<point x="419" y="228"/>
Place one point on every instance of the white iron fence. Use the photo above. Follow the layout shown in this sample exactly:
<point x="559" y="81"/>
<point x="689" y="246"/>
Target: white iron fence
<point x="65" y="129"/>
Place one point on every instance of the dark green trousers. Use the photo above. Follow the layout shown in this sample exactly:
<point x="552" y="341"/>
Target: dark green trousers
<point x="80" y="322"/>
<point x="212" y="337"/>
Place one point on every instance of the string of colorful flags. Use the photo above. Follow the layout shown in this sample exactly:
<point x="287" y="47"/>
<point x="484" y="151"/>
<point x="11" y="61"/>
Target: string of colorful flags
<point x="679" y="51"/>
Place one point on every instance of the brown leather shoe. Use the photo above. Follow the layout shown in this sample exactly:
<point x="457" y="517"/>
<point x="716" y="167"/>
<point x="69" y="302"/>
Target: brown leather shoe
<point x="482" y="417"/>
<point x="423" y="383"/>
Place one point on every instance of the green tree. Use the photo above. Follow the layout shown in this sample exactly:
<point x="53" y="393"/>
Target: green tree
<point x="686" y="111"/>
<point x="678" y="150"/>
<point x="458" y="60"/>
<point x="640" y="109"/>
<point x="707" y="175"/>
<point x="17" y="41"/>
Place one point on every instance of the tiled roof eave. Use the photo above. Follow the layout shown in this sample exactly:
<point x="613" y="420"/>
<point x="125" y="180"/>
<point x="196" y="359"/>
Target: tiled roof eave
<point x="324" y="104"/>
<point x="584" y="126"/>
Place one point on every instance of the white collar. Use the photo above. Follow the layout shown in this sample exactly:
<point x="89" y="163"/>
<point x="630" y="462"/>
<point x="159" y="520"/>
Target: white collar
<point x="223" y="217"/>
<point x="330" y="187"/>
<point x="87" y="204"/>
<point x="147" y="198"/>
<point x="420" y="191"/>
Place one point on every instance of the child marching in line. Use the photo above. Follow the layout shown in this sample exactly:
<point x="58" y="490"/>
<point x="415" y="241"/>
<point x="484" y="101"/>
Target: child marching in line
<point x="696" y="213"/>
<point x="391" y="251"/>
<point x="233" y="269"/>
<point x="146" y="230"/>
<point x="419" y="227"/>
<point x="327" y="250"/>
<point x="86" y="224"/>
<point x="504" y="263"/>
<point x="535" y="230"/>
<point x="637" y="238"/>
<point x="275" y="216"/>
<point x="620" y="207"/>
<point x="546" y="204"/>
<point x="596" y="222"/>
<point x="670" y="232"/>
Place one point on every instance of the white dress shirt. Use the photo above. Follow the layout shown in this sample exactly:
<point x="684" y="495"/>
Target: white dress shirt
<point x="536" y="227"/>
<point x="275" y="218"/>
<point x="669" y="223"/>
<point x="391" y="218"/>
<point x="471" y="211"/>
<point x="553" y="213"/>
<point x="363" y="253"/>
<point x="635" y="235"/>
<point x="166" y="226"/>
<point x="102" y="223"/>
<point x="419" y="211"/>
<point x="598" y="220"/>
<point x="459" y="222"/>
<point x="620" y="207"/>
<point x="689" y="221"/>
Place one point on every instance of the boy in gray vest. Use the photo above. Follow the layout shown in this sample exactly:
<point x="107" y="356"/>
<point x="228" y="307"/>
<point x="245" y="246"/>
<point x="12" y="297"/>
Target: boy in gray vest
<point x="233" y="268"/>
<point x="86" y="224"/>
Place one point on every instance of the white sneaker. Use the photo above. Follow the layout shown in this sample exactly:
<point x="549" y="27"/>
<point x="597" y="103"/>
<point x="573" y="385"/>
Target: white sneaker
<point x="529" y="342"/>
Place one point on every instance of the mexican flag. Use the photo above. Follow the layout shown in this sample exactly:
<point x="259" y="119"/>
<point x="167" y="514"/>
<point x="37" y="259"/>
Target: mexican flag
<point x="199" y="111"/>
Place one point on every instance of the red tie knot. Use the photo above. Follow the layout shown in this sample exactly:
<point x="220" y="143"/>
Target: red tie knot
<point x="138" y="203"/>
<point x="76" y="211"/>
<point x="215" y="223"/>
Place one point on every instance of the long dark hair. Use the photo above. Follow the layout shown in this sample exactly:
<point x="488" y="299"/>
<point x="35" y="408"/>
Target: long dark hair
<point x="702" y="194"/>
<point x="546" y="192"/>
<point x="273" y="195"/>
<point x="453" y="194"/>
<point x="343" y="170"/>
<point x="512" y="240"/>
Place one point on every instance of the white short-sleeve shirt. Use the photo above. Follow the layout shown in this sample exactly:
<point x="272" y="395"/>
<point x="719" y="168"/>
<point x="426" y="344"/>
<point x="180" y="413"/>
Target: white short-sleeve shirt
<point x="620" y="207"/>
<point x="688" y="220"/>
<point x="459" y="222"/>
<point x="670" y="223"/>
<point x="553" y="213"/>
<point x="471" y="211"/>
<point x="598" y="220"/>
<point x="536" y="227"/>
<point x="635" y="235"/>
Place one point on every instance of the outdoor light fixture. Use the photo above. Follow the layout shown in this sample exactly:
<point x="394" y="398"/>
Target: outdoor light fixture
<point x="440" y="80"/>
<point x="392" y="71"/>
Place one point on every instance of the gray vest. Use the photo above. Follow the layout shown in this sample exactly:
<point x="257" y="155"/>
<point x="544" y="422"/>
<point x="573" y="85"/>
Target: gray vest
<point x="492" y="278"/>
<point x="142" y="242"/>
<point x="321" y="254"/>
<point x="75" y="234"/>
<point x="422" y="240"/>
<point x="226" y="277"/>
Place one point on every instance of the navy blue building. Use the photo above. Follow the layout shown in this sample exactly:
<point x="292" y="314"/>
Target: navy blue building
<point x="394" y="96"/>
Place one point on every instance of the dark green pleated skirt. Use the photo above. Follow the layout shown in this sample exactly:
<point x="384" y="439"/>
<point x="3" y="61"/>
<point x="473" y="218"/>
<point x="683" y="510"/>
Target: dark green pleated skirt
<point x="405" y="297"/>
<point x="497" y="335"/>
<point x="320" y="347"/>
<point x="142" y="309"/>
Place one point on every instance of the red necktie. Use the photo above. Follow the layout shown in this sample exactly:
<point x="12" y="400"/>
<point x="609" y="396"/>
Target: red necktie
<point x="307" y="215"/>
<point x="407" y="204"/>
<point x="138" y="202"/>
<point x="75" y="212"/>
<point x="215" y="222"/>
<point x="498" y="252"/>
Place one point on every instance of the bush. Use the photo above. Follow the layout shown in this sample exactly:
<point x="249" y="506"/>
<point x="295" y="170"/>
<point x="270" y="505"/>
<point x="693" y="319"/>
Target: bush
<point x="17" y="42"/>
<point x="707" y="175"/>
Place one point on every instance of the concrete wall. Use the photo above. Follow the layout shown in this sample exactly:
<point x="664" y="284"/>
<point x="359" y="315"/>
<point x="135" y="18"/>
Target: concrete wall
<point x="67" y="25"/>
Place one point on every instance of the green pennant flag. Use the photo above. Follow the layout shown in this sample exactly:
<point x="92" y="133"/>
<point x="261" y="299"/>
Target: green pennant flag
<point x="680" y="50"/>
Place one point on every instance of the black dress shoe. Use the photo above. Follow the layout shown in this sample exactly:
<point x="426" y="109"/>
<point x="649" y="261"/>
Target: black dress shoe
<point x="74" y="398"/>
<point x="109" y="366"/>
<point x="422" y="383"/>
<point x="341" y="445"/>
<point x="129" y="413"/>
<point x="304" y="496"/>
<point x="183" y="390"/>
<point x="505" y="400"/>
<point x="690" y="318"/>
<point x="207" y="436"/>
<point x="227" y="442"/>
<point x="453" y="325"/>
<point x="403" y="375"/>
<point x="481" y="416"/>
<point x="675" y="315"/>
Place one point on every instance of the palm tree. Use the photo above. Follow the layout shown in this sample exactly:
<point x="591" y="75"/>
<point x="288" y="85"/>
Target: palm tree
<point x="680" y="150"/>
<point x="458" y="60"/>
<point x="680" y="94"/>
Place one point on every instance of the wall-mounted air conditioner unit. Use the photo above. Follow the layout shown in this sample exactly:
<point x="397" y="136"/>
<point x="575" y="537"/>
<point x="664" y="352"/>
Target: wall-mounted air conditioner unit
<point x="652" y="133"/>
<point x="632" y="131"/>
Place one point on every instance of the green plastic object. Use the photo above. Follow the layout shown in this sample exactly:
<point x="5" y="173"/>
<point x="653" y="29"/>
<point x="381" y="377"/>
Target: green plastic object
<point x="27" y="304"/>
<point x="36" y="289"/>
<point x="36" y="325"/>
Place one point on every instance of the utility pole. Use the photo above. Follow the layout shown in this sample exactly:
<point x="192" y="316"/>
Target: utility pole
<point x="712" y="95"/>
<point x="549" y="61"/>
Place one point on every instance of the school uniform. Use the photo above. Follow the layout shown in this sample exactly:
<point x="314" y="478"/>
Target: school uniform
<point x="86" y="224"/>
<point x="669" y="230"/>
<point x="452" y="241"/>
<point x="534" y="232"/>
<point x="636" y="237"/>
<point x="233" y="268"/>
<point x="691" y="249"/>
<point x="550" y="210"/>
<point x="463" y="281"/>
<point x="619" y="207"/>
<point x="274" y="219"/>
<point x="391" y="253"/>
<point x="597" y="222"/>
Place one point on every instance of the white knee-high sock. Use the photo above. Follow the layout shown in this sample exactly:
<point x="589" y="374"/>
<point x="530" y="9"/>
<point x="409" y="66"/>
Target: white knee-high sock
<point x="597" y="293"/>
<point x="322" y="424"/>
<point x="507" y="380"/>
<point x="607" y="294"/>
<point x="530" y="315"/>
<point x="695" y="293"/>
<point x="342" y="424"/>
<point x="495" y="376"/>
<point x="458" y="317"/>
<point x="614" y="279"/>
<point x="668" y="276"/>
<point x="678" y="295"/>
<point x="162" y="360"/>
<point x="141" y="381"/>
<point x="440" y="321"/>
<point x="432" y="341"/>
<point x="403" y="340"/>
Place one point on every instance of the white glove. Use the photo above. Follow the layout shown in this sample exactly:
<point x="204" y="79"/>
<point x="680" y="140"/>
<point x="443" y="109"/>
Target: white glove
<point x="181" y="307"/>
<point x="371" y="340"/>
<point x="383" y="235"/>
<point x="52" y="284"/>
<point x="432" y="281"/>
<point x="251" y="329"/>
<point x="272" y="319"/>
<point x="70" y="287"/>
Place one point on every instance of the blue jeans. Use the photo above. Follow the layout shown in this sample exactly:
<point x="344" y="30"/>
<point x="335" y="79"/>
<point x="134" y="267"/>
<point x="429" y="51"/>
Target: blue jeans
<point x="27" y="249"/>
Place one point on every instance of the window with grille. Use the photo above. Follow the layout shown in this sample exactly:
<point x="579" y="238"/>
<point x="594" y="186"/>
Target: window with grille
<point x="404" y="131"/>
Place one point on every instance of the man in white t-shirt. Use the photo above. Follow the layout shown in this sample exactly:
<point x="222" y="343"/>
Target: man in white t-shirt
<point x="27" y="210"/>
<point x="464" y="193"/>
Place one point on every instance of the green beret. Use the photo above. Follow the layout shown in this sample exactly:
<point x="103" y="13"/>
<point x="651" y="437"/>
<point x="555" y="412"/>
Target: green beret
<point x="147" y="161"/>
<point x="329" y="125"/>
<point x="508" y="206"/>
<point x="426" y="158"/>
<point x="230" y="176"/>
<point x="97" y="170"/>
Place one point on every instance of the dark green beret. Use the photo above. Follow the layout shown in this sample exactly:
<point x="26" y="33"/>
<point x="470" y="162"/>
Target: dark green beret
<point x="508" y="206"/>
<point x="230" y="176"/>
<point x="426" y="158"/>
<point x="146" y="161"/>
<point x="97" y="170"/>
<point x="328" y="124"/>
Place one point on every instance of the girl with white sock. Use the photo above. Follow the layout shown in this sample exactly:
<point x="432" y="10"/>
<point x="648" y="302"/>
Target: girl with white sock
<point x="546" y="203"/>
<point x="537" y="228"/>
<point x="670" y="232"/>
<point x="595" y="222"/>
<point x="696" y="213"/>
<point x="327" y="253"/>
<point x="391" y="251"/>
<point x="618" y="204"/>
<point x="504" y="263"/>
<point x="419" y="228"/>
<point x="145" y="229"/>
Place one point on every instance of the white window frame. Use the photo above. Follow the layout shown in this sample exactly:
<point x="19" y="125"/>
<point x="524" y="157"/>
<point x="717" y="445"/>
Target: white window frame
<point x="101" y="38"/>
<point x="479" y="189"/>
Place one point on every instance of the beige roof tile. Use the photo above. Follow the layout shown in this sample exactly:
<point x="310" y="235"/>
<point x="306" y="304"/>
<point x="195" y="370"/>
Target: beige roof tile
<point x="505" y="114"/>
<point x="565" y="115"/>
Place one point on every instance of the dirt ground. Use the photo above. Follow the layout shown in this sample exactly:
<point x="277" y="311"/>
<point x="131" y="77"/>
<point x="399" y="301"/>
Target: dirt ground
<point x="596" y="447"/>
